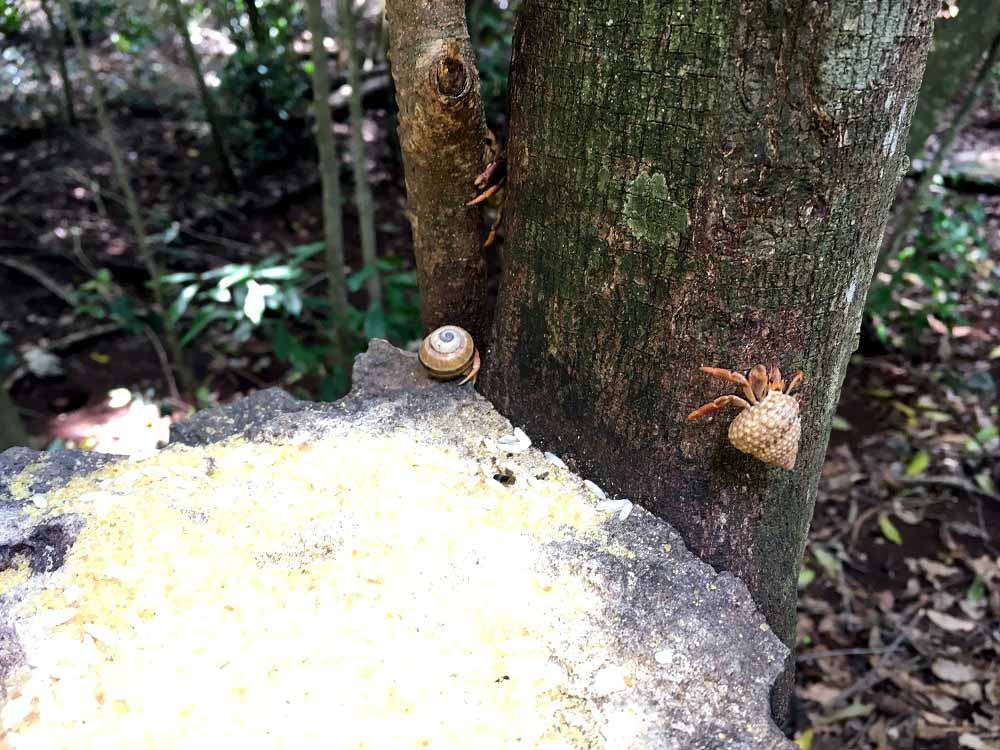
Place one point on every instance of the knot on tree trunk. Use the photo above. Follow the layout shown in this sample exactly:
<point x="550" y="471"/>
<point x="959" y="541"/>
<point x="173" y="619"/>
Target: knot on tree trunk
<point x="450" y="74"/>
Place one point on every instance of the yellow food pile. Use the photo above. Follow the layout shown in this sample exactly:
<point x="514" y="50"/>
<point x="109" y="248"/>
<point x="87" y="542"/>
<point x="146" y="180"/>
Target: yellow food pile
<point x="356" y="592"/>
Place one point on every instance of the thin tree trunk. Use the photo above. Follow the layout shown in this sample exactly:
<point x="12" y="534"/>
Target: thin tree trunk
<point x="329" y="164"/>
<point x="131" y="202"/>
<point x="443" y="137"/>
<point x="704" y="184"/>
<point x="257" y="28"/>
<point x="362" y="190"/>
<point x="60" y="47"/>
<point x="207" y="100"/>
<point x="12" y="432"/>
<point x="960" y="42"/>
<point x="913" y="207"/>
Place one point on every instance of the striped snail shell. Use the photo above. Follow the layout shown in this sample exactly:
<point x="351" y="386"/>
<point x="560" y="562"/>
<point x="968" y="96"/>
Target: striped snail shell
<point x="448" y="352"/>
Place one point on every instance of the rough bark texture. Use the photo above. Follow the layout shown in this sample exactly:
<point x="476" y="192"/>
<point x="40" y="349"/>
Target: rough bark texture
<point x="959" y="45"/>
<point x="443" y="135"/>
<point x="697" y="183"/>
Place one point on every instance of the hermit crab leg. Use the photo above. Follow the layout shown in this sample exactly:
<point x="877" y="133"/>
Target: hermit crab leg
<point x="795" y="381"/>
<point x="733" y="377"/>
<point x="720" y="403"/>
<point x="777" y="384"/>
<point x="485" y="194"/>
<point x="474" y="371"/>
<point x="758" y="381"/>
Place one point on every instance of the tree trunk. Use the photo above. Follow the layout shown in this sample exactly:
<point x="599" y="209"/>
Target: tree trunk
<point x="207" y="100"/>
<point x="959" y="45"/>
<point x="333" y="222"/>
<point x="698" y="184"/>
<point x="60" y="48"/>
<point x="257" y="28"/>
<point x="362" y="190"/>
<point x="443" y="137"/>
<point x="908" y="213"/>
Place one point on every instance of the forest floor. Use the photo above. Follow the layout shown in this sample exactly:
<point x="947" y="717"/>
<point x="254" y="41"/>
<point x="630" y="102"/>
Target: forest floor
<point x="899" y="615"/>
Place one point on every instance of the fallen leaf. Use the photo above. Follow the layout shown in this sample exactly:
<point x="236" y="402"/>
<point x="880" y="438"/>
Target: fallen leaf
<point x="852" y="711"/>
<point x="952" y="671"/>
<point x="975" y="743"/>
<point x="918" y="464"/>
<point x="805" y="740"/>
<point x="820" y="692"/>
<point x="889" y="531"/>
<point x="936" y="325"/>
<point x="949" y="623"/>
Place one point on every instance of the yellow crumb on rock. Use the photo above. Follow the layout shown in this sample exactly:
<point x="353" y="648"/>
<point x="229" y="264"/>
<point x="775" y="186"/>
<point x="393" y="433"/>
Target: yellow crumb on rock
<point x="357" y="592"/>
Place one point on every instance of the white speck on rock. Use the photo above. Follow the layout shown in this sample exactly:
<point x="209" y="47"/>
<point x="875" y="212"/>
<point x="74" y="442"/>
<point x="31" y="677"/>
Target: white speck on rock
<point x="609" y="680"/>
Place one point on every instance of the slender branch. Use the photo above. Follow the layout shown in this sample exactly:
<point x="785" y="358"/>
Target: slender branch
<point x="333" y="225"/>
<point x="362" y="190"/>
<point x="207" y="100"/>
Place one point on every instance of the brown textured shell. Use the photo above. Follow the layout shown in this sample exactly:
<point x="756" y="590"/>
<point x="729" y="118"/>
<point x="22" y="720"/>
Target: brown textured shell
<point x="769" y="430"/>
<point x="447" y="353"/>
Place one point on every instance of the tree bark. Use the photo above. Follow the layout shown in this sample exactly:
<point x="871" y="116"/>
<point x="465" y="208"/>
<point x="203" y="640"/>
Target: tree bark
<point x="207" y="100"/>
<point x="362" y="190"/>
<point x="333" y="222"/>
<point x="443" y="137"/>
<point x="697" y="184"/>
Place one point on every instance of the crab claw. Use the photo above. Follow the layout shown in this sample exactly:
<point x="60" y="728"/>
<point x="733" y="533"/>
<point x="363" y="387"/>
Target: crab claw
<point x="720" y="403"/>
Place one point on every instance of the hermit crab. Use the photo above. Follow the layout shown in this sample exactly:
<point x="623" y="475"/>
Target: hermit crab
<point x="448" y="353"/>
<point x="768" y="428"/>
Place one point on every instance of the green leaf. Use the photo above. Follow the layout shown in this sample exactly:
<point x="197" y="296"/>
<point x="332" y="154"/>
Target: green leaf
<point x="178" y="278"/>
<point x="255" y="302"/>
<point x="888" y="529"/>
<point x="995" y="352"/>
<point x="180" y="304"/>
<point x="201" y="320"/>
<point x="839" y="423"/>
<point x="985" y="482"/>
<point x="986" y="434"/>
<point x="806" y="576"/>
<point x="829" y="563"/>
<point x="918" y="464"/>
<point x="977" y="590"/>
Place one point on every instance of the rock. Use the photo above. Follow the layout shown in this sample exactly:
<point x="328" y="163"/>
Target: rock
<point x="378" y="572"/>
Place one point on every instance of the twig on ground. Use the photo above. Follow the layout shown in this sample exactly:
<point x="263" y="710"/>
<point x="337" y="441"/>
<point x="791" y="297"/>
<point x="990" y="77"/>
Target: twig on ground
<point x="955" y="483"/>
<point x="66" y="295"/>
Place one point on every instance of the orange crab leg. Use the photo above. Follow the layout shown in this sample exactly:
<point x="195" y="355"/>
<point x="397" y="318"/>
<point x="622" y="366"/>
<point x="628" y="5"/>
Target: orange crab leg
<point x="474" y="371"/>
<point x="733" y="377"/>
<point x="796" y="381"/>
<point x="777" y="384"/>
<point x="720" y="403"/>
<point x="758" y="381"/>
<point x="486" y="194"/>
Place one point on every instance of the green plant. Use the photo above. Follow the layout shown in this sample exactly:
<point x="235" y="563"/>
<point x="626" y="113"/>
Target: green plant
<point x="265" y="105"/>
<point x="937" y="275"/>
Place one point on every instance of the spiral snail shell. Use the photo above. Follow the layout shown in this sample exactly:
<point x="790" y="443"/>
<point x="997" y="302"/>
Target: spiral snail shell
<point x="448" y="353"/>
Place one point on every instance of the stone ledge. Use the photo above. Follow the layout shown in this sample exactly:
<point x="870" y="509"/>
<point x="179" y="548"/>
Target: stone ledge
<point x="391" y="570"/>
